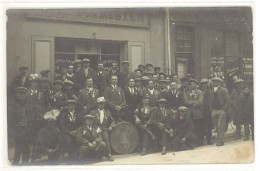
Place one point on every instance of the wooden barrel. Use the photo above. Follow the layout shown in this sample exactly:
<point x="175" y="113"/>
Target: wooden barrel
<point x="124" y="138"/>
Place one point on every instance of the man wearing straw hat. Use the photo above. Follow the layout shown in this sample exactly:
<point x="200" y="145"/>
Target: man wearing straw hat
<point x="104" y="120"/>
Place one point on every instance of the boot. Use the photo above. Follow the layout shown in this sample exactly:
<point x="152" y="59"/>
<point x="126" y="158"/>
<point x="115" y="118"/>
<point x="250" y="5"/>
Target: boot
<point x="110" y="158"/>
<point x="144" y="152"/>
<point x="163" y="150"/>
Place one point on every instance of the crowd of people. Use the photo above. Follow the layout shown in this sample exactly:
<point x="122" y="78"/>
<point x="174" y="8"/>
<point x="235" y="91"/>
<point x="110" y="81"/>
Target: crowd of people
<point x="76" y="113"/>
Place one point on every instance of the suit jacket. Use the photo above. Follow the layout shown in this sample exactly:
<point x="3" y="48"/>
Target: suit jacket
<point x="115" y="96"/>
<point x="153" y="98"/>
<point x="124" y="76"/>
<point x="57" y="100"/>
<point x="174" y="99"/>
<point x="160" y="119"/>
<point x="195" y="103"/>
<point x="17" y="82"/>
<point x="223" y="98"/>
<point x="163" y="93"/>
<point x="85" y="136"/>
<point x="80" y="78"/>
<point x="184" y="128"/>
<point x="102" y="82"/>
<point x="144" y="116"/>
<point x="117" y="73"/>
<point x="107" y="121"/>
<point x="132" y="100"/>
<point x="88" y="98"/>
<point x="35" y="105"/>
<point x="66" y="125"/>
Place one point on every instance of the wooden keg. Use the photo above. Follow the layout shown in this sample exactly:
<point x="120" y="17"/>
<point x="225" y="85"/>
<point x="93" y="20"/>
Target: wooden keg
<point x="124" y="138"/>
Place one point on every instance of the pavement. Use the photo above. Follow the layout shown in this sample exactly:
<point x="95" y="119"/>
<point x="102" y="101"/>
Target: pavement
<point x="238" y="151"/>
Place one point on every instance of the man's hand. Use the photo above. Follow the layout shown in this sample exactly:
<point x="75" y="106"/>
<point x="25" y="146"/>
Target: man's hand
<point x="137" y="121"/>
<point x="117" y="108"/>
<point x="110" y="128"/>
<point x="91" y="145"/>
<point x="183" y="140"/>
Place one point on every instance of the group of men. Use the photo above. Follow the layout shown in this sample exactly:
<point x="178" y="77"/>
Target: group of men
<point x="76" y="113"/>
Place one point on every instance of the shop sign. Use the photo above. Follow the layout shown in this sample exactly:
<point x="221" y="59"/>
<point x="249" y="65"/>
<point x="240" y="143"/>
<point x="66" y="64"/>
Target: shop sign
<point x="126" y="17"/>
<point x="107" y="62"/>
<point x="247" y="66"/>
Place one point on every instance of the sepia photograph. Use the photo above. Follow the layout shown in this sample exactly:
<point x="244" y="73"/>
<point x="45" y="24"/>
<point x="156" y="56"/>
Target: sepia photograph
<point x="130" y="86"/>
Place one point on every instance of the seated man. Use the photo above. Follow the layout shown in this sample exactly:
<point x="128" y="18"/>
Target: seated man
<point x="104" y="120"/>
<point x="89" y="139"/>
<point x="161" y="117"/>
<point x="184" y="130"/>
<point x="143" y="121"/>
<point x="49" y="139"/>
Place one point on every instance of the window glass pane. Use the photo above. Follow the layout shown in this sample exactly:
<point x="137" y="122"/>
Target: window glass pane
<point x="184" y="39"/>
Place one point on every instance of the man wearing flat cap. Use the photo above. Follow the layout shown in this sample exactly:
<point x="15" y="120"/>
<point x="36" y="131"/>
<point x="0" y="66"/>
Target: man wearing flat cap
<point x="70" y="74"/>
<point x="83" y="74"/>
<point x="185" y="137"/>
<point x="194" y="101"/>
<point x="220" y="104"/>
<point x="18" y="119"/>
<point x="174" y="96"/>
<point x="114" y="70"/>
<point x="142" y="68"/>
<point x="57" y="97"/>
<point x="68" y="89"/>
<point x="125" y="74"/>
<point x="49" y="139"/>
<point x="104" y="120"/>
<point x="208" y="123"/>
<point x="89" y="140"/>
<point x="161" y="117"/>
<point x="22" y="80"/>
<point x="68" y="121"/>
<point x="235" y="105"/>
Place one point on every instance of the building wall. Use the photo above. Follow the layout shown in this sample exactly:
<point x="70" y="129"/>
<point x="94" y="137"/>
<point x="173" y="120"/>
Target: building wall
<point x="21" y="29"/>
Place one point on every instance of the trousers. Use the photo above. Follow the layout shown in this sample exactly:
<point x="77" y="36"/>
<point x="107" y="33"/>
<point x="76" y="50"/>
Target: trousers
<point x="219" y="120"/>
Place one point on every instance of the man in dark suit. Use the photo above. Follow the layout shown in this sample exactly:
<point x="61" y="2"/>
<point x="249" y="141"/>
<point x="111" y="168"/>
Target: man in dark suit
<point x="194" y="101"/>
<point x="163" y="89"/>
<point x="63" y="70"/>
<point x="86" y="71"/>
<point x="57" y="98"/>
<point x="68" y="121"/>
<point x="132" y="97"/>
<point x="161" y="117"/>
<point x="102" y="79"/>
<point x="104" y="120"/>
<point x="115" y="98"/>
<point x="70" y="74"/>
<point x="114" y="71"/>
<point x="174" y="96"/>
<point x="88" y="96"/>
<point x="20" y="81"/>
<point x="125" y="74"/>
<point x="89" y="140"/>
<point x="153" y="94"/>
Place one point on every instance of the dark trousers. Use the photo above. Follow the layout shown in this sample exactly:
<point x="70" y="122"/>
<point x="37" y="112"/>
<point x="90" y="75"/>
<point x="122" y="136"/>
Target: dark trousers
<point x="191" y="140"/>
<point x="105" y="137"/>
<point x="70" y="145"/>
<point x="84" y="151"/>
<point x="145" y="133"/>
<point x="22" y="146"/>
<point x="199" y="129"/>
<point x="208" y="134"/>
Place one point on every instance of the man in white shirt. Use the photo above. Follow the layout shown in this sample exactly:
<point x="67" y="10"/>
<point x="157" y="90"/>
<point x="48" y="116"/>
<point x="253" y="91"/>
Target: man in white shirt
<point x="104" y="120"/>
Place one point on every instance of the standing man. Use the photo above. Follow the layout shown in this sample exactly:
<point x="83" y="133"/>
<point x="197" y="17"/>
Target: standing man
<point x="138" y="73"/>
<point x="104" y="120"/>
<point x="132" y="97"/>
<point x="102" y="79"/>
<point x="220" y="103"/>
<point x="153" y="94"/>
<point x="157" y="70"/>
<point x="20" y="81"/>
<point x="115" y="98"/>
<point x="70" y="74"/>
<point x="125" y="74"/>
<point x="236" y="107"/>
<point x="174" y="97"/>
<point x="143" y="120"/>
<point x="68" y="121"/>
<point x="88" y="96"/>
<point x="19" y="121"/>
<point x="161" y="117"/>
<point x="207" y="123"/>
<point x="184" y="85"/>
<point x="77" y="65"/>
<point x="163" y="89"/>
<point x="114" y="71"/>
<point x="63" y="70"/>
<point x="57" y="97"/>
<point x="194" y="101"/>
<point x="83" y="74"/>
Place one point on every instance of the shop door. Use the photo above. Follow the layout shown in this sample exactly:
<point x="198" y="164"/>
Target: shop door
<point x="182" y="67"/>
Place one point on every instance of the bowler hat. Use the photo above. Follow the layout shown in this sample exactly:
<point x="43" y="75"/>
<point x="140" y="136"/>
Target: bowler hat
<point x="101" y="100"/>
<point x="162" y="100"/>
<point x="20" y="89"/>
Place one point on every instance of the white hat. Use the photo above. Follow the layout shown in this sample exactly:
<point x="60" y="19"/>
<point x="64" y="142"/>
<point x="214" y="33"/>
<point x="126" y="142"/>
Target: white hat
<point x="51" y="115"/>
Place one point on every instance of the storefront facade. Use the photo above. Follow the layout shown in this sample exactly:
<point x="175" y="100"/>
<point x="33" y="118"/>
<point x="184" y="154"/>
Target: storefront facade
<point x="41" y="38"/>
<point x="179" y="40"/>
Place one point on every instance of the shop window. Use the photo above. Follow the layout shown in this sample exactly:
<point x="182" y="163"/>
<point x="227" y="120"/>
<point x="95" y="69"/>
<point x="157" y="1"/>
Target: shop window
<point x="110" y="52"/>
<point x="184" y="39"/>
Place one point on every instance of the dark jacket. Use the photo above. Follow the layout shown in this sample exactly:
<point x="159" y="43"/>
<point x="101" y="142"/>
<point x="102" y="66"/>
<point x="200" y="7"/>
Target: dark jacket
<point x="17" y="82"/>
<point x="195" y="103"/>
<point x="57" y="100"/>
<point x="102" y="81"/>
<point x="174" y="99"/>
<point x="124" y="76"/>
<point x="160" y="120"/>
<point x="235" y="105"/>
<point x="144" y="116"/>
<point x="85" y="136"/>
<point x="223" y="98"/>
<point x="153" y="98"/>
<point x="115" y="96"/>
<point x="80" y="78"/>
<point x="35" y="105"/>
<point x="107" y="121"/>
<point x="247" y="105"/>
<point x="185" y="127"/>
<point x="87" y="98"/>
<point x="132" y="100"/>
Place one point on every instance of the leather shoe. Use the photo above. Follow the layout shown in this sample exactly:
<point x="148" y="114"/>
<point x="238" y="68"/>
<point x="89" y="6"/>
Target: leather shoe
<point x="163" y="150"/>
